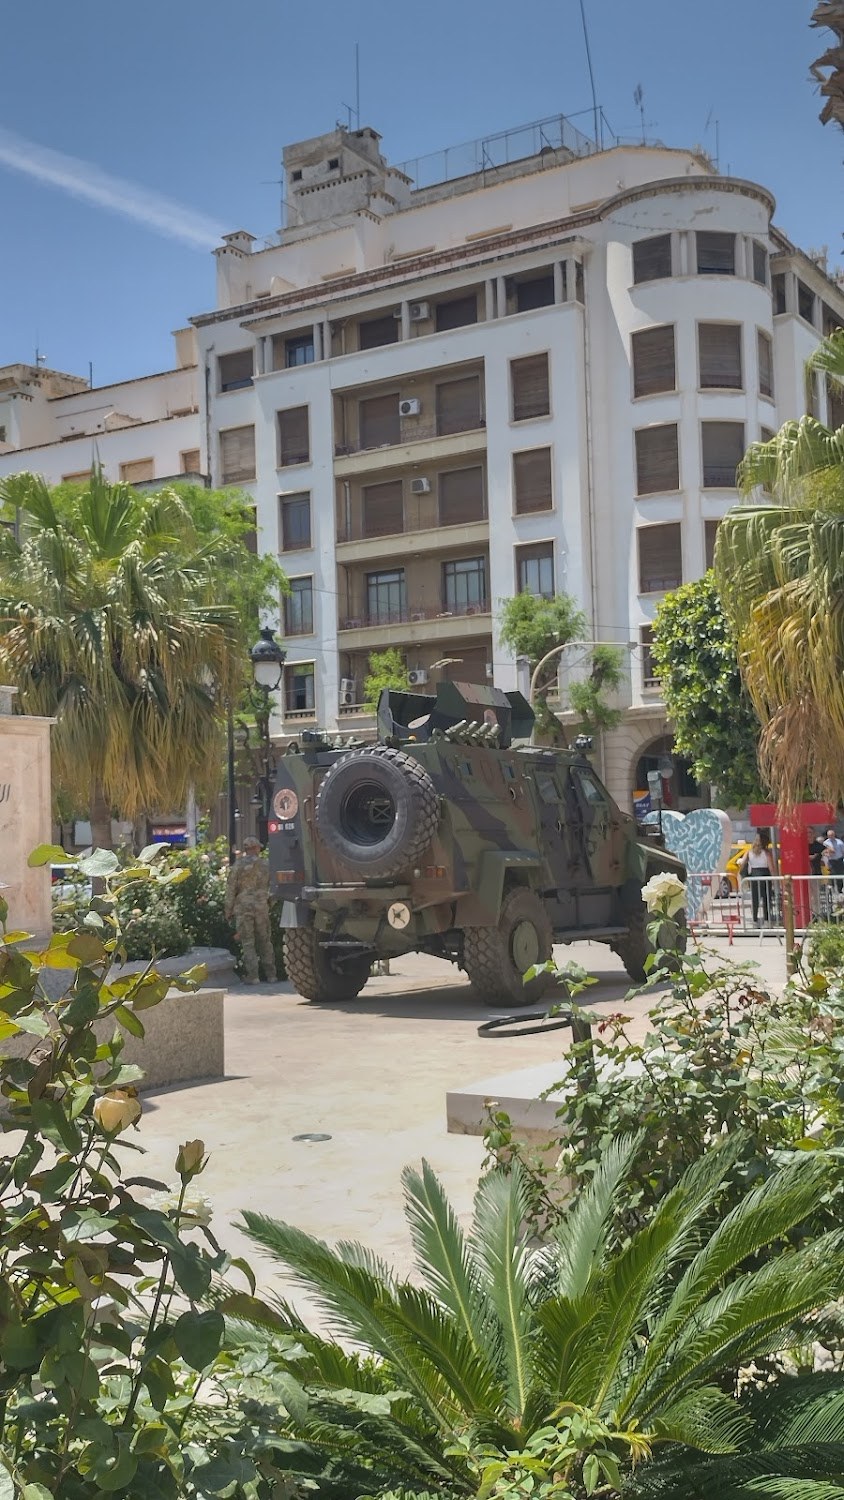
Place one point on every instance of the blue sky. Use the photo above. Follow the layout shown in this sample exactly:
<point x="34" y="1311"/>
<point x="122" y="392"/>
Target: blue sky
<point x="192" y="101"/>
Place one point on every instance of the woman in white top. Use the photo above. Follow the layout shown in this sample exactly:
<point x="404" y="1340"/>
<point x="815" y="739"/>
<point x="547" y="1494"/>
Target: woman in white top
<point x="758" y="864"/>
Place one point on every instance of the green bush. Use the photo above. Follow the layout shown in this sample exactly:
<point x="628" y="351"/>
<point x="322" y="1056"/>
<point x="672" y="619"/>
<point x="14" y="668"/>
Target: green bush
<point x="151" y="928"/>
<point x="824" y="946"/>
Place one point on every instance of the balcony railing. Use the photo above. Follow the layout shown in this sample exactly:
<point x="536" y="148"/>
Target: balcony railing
<point x="719" y="476"/>
<point x="412" y="430"/>
<point x="356" y="529"/>
<point x="413" y="614"/>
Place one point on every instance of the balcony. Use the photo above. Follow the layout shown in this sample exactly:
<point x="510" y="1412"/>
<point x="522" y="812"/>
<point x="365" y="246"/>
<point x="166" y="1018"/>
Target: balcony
<point x="414" y="623"/>
<point x="415" y="441"/>
<point x="356" y="545"/>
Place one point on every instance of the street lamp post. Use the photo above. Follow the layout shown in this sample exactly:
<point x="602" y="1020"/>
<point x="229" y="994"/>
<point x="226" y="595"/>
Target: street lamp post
<point x="267" y="658"/>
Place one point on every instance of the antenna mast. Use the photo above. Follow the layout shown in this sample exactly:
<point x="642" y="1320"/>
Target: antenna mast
<point x="591" y="74"/>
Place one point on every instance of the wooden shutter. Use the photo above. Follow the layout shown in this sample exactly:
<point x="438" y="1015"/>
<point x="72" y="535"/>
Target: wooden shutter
<point x="379" y="421"/>
<point x="723" y="450"/>
<point x="719" y="354"/>
<point x="652" y="258"/>
<point x="532" y="481"/>
<point x="235" y="370"/>
<point x="294" y="436"/>
<point x="716" y="253"/>
<point x="653" y="360"/>
<point x="459" y="405"/>
<point x="657" y="459"/>
<point x="456" y="313"/>
<point x="461" y="496"/>
<point x="660" y="558"/>
<point x="138" y="472"/>
<point x="383" y="509"/>
<point x="530" y="385"/>
<point x="765" y="349"/>
<point x="237" y="455"/>
<point x="190" y="461"/>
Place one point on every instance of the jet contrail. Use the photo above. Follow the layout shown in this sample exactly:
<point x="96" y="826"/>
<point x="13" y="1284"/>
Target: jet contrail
<point x="82" y="179"/>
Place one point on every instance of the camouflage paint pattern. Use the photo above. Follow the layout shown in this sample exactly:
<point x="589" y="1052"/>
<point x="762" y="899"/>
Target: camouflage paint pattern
<point x="247" y="902"/>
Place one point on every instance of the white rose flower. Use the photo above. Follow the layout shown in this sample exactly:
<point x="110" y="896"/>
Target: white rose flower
<point x="197" y="1209"/>
<point x="664" y="894"/>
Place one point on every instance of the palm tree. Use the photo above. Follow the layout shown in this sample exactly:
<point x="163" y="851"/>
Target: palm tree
<point x="110" y="622"/>
<point x="829" y="69"/>
<point x="499" y="1342"/>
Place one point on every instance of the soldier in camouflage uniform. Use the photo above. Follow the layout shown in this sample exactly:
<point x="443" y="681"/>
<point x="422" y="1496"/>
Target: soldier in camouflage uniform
<point x="247" y="901"/>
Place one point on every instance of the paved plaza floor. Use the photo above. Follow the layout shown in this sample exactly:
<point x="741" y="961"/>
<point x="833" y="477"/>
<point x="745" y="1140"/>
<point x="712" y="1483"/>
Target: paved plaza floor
<point x="372" y="1075"/>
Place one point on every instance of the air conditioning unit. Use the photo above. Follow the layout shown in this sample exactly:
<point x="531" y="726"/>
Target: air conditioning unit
<point x="397" y="313"/>
<point x="417" y="677"/>
<point x="420" y="486"/>
<point x="348" y="691"/>
<point x="411" y="407"/>
<point x="489" y="672"/>
<point x="420" y="312"/>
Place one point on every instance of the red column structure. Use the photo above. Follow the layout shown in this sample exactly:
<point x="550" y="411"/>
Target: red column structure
<point x="793" y="840"/>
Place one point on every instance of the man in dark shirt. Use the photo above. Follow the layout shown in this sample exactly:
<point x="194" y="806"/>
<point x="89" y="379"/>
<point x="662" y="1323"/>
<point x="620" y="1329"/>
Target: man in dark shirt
<point x="816" y="847"/>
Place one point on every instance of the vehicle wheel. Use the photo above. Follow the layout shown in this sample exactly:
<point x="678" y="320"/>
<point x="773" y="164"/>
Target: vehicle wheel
<point x="497" y="958"/>
<point x="637" y="946"/>
<point x="377" y="811"/>
<point x="314" y="975"/>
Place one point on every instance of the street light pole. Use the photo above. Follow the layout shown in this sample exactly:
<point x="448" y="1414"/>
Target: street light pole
<point x="268" y="659"/>
<point x="564" y="646"/>
<point x="232" y="789"/>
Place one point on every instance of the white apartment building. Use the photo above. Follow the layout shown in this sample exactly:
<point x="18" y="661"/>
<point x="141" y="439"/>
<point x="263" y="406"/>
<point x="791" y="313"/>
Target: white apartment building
<point x="144" y="431"/>
<point x="539" y="374"/>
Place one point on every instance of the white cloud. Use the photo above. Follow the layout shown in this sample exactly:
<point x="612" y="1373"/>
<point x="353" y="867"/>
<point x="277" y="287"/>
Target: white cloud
<point x="82" y="179"/>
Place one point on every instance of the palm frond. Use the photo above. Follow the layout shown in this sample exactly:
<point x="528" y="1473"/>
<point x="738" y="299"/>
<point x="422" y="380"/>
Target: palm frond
<point x="582" y="1235"/>
<point x="705" y="1419"/>
<point x="442" y="1254"/>
<point x="430" y="1332"/>
<point x="499" y="1246"/>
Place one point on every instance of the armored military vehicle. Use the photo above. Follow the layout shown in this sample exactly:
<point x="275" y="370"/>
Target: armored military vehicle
<point x="452" y="835"/>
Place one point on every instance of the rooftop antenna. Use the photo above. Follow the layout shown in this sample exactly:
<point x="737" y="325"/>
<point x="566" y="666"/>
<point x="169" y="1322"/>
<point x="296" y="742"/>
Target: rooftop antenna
<point x="639" y="101"/>
<point x="348" y="107"/>
<point x="717" y="139"/>
<point x="595" y="120"/>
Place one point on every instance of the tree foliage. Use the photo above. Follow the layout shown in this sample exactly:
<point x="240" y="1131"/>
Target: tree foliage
<point x="713" y="718"/>
<point x="387" y="669"/>
<point x="531" y="626"/>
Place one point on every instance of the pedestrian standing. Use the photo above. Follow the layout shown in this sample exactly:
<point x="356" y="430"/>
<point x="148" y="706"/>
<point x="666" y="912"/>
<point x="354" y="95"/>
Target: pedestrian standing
<point x="834" y="847"/>
<point x="248" y="902"/>
<point x="816" y="853"/>
<point x="758" y="865"/>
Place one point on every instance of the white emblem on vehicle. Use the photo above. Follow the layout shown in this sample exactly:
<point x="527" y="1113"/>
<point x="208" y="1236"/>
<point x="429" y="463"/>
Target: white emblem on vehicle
<point x="285" y="804"/>
<point x="398" y="915"/>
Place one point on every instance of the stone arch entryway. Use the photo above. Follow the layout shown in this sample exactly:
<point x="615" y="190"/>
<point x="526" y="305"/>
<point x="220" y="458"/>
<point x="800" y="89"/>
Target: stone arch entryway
<point x="680" y="791"/>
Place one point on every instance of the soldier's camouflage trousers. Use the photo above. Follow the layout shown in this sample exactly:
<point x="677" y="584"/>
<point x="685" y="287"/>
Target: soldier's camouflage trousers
<point x="253" y="930"/>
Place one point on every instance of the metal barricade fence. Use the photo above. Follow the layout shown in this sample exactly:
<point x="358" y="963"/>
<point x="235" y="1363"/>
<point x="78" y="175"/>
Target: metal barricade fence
<point x="719" y="902"/>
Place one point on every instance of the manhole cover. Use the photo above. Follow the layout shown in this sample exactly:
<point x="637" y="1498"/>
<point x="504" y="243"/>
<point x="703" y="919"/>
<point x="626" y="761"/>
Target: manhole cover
<point x="311" y="1135"/>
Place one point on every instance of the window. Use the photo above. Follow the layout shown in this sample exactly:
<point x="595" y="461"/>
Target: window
<point x="82" y="476"/>
<point x="464" y="585"/>
<point x="760" y="263"/>
<point x="657" y="459"/>
<point x="653" y="361"/>
<point x="834" y="405"/>
<point x="529" y="384"/>
<point x="579" y="283"/>
<point x="379" y="422"/>
<point x="805" y="302"/>
<point x="660" y="559"/>
<point x="532" y="481"/>
<point x="373" y="332"/>
<point x="766" y="434"/>
<point x="710" y="532"/>
<point x="830" y="321"/>
<point x="459" y="405"/>
<point x="719" y="356"/>
<point x="456" y="313"/>
<point x="235" y="370"/>
<point x="535" y="569"/>
<point x="140" y="471"/>
<point x="296" y="176"/>
<point x="652" y="258"/>
<point x="189" y="461"/>
<point x="723" y="451"/>
<point x="386" y="599"/>
<point x="461" y="496"/>
<point x="716" y="253"/>
<point x="813" y="395"/>
<point x="765" y="351"/>
<point x="299" y="351"/>
<point x="299" y="607"/>
<point x="2" y="434"/>
<point x="333" y="163"/>
<point x="537" y="292"/>
<point x="294" y="442"/>
<point x="295" y="523"/>
<point x="778" y="289"/>
<point x="650" y="670"/>
<point x="299" y="687"/>
<point x="383" y="509"/>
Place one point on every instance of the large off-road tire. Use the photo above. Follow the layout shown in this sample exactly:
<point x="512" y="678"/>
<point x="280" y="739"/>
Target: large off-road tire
<point x="497" y="958"/>
<point x="637" y="947"/>
<point x="312" y="972"/>
<point x="377" y="811"/>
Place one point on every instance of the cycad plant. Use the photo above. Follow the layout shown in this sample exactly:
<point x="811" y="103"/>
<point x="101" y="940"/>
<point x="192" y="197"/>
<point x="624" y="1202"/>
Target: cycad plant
<point x="588" y="1368"/>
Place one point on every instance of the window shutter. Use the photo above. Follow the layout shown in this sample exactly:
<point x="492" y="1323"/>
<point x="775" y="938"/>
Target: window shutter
<point x="237" y="452"/>
<point x="723" y="450"/>
<point x="456" y="313"/>
<point x="530" y="384"/>
<point x="652" y="258"/>
<point x="766" y="363"/>
<point x="537" y="292"/>
<point x="383" y="509"/>
<point x="459" y="405"/>
<point x="380" y="423"/>
<point x="190" y="461"/>
<point x="653" y="361"/>
<point x="710" y="534"/>
<point x="138" y="472"/>
<point x="719" y="353"/>
<point x="532" y="481"/>
<point x="461" y="496"/>
<point x="760" y="263"/>
<point x="657" y="459"/>
<point x="294" y="436"/>
<point x="235" y="370"/>
<point x="716" y="253"/>
<point x="660" y="558"/>
<point x="374" y="332"/>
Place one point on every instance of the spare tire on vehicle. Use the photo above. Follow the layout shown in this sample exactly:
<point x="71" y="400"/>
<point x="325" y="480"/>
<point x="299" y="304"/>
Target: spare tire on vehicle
<point x="377" y="811"/>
